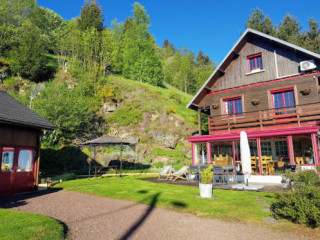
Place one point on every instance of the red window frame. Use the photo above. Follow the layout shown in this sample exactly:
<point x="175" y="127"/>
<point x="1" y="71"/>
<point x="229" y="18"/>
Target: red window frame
<point x="255" y="56"/>
<point x="284" y="107"/>
<point x="233" y="111"/>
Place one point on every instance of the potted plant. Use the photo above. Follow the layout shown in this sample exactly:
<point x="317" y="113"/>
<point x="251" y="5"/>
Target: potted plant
<point x="255" y="101"/>
<point x="206" y="183"/>
<point x="215" y="105"/>
<point x="305" y="91"/>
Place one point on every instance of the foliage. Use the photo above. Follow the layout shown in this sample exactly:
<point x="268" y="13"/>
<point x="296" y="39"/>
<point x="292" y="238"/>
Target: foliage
<point x="28" y="60"/>
<point x="206" y="175"/>
<point x="259" y="22"/>
<point x="175" y="154"/>
<point x="64" y="177"/>
<point x="17" y="225"/>
<point x="60" y="161"/>
<point x="72" y="110"/>
<point x="158" y="165"/>
<point x="125" y="116"/>
<point x="140" y="62"/>
<point x="301" y="205"/>
<point x="106" y="93"/>
<point x="91" y="16"/>
<point x="170" y="109"/>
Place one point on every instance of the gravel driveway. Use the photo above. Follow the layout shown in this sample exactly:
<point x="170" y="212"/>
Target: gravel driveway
<point x="92" y="217"/>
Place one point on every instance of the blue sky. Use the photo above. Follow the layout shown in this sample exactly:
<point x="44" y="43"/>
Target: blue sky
<point x="207" y="25"/>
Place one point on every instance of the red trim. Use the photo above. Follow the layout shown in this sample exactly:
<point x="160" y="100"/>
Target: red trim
<point x="256" y="134"/>
<point x="192" y="151"/>
<point x="282" y="90"/>
<point x="315" y="148"/>
<point x="259" y="156"/>
<point x="209" y="158"/>
<point x="290" y="149"/>
<point x="255" y="55"/>
<point x="263" y="83"/>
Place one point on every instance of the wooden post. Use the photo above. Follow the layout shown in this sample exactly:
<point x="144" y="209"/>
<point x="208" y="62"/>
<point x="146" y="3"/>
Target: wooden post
<point x="199" y="122"/>
<point x="315" y="148"/>
<point x="209" y="158"/>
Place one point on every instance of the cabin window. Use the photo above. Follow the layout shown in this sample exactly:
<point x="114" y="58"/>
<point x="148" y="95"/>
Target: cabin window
<point x="7" y="160"/>
<point x="283" y="99"/>
<point x="25" y="161"/>
<point x="255" y="63"/>
<point x="233" y="106"/>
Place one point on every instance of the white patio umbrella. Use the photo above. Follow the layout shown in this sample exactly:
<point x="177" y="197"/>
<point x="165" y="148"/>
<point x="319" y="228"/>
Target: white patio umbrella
<point x="245" y="156"/>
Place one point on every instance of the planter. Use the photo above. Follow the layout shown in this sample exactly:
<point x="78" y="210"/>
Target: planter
<point x="205" y="190"/>
<point x="305" y="91"/>
<point x="255" y="102"/>
<point x="215" y="105"/>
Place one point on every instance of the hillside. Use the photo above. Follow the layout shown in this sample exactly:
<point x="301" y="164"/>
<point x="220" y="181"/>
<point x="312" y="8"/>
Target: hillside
<point x="154" y="118"/>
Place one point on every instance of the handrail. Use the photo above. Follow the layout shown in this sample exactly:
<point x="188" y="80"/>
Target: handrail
<point x="275" y="116"/>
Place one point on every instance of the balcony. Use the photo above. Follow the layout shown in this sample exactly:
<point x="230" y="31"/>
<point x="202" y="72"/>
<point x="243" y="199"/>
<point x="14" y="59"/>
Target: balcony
<point x="289" y="117"/>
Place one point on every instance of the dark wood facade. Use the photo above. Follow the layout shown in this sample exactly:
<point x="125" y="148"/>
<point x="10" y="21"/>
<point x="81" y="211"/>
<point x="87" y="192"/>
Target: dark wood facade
<point x="280" y="134"/>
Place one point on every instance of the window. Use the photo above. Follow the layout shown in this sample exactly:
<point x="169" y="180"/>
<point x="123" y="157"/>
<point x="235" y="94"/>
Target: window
<point x="282" y="148"/>
<point x="255" y="62"/>
<point x="266" y="149"/>
<point x="25" y="161"/>
<point x="7" y="160"/>
<point x="283" y="99"/>
<point x="233" y="106"/>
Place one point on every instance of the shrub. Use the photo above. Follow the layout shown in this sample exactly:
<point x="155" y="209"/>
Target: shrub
<point x="171" y="110"/>
<point x="307" y="177"/>
<point x="158" y="165"/>
<point x="175" y="154"/>
<point x="125" y="116"/>
<point x="106" y="93"/>
<point x="300" y="206"/>
<point x="65" y="177"/>
<point x="206" y="175"/>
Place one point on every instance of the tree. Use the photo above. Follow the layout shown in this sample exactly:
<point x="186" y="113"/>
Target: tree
<point x="259" y="22"/>
<point x="28" y="58"/>
<point x="140" y="61"/>
<point x="312" y="38"/>
<point x="91" y="16"/>
<point x="289" y="29"/>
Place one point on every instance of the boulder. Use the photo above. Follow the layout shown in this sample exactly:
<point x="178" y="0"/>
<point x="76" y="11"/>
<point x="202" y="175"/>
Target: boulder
<point x="167" y="140"/>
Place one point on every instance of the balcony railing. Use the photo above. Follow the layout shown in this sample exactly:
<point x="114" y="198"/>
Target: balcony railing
<point x="293" y="116"/>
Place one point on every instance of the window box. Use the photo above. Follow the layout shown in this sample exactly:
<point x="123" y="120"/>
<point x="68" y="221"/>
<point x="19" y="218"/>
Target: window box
<point x="255" y="101"/>
<point x="215" y="105"/>
<point x="305" y="91"/>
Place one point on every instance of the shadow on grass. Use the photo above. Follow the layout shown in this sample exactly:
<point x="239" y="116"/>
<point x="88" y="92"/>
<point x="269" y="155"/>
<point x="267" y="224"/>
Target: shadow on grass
<point x="178" y="204"/>
<point x="65" y="228"/>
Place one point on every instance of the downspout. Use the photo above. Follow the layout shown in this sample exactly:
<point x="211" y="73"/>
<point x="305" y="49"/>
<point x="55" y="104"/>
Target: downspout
<point x="276" y="62"/>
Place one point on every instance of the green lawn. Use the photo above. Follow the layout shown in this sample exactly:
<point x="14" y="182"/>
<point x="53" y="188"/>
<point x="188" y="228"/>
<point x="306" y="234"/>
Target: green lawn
<point x="21" y="225"/>
<point x="229" y="205"/>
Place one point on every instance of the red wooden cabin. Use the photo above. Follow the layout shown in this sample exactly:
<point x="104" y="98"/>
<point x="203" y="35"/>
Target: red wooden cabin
<point x="20" y="131"/>
<point x="270" y="89"/>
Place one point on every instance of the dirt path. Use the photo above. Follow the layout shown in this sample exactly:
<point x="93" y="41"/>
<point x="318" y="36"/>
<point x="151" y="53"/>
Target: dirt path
<point x="92" y="217"/>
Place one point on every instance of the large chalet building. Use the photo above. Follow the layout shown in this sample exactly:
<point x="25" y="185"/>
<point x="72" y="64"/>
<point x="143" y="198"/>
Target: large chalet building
<point x="268" y="88"/>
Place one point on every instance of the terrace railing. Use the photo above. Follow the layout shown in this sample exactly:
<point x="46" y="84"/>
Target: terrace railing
<point x="294" y="115"/>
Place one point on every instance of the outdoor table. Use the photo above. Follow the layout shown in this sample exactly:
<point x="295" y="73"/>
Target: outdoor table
<point x="228" y="169"/>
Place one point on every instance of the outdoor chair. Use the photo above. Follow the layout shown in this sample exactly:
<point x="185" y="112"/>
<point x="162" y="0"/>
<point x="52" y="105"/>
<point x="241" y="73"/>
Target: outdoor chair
<point x="218" y="174"/>
<point x="181" y="173"/>
<point x="165" y="172"/>
<point x="233" y="173"/>
<point x="194" y="170"/>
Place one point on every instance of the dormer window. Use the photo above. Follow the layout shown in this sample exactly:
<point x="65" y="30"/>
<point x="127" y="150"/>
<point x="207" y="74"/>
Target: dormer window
<point x="255" y="63"/>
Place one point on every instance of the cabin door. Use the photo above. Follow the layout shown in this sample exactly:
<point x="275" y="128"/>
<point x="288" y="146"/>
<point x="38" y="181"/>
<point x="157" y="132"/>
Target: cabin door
<point x="7" y="170"/>
<point x="24" y="177"/>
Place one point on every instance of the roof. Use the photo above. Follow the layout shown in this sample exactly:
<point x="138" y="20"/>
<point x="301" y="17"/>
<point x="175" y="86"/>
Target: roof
<point x="237" y="47"/>
<point x="107" y="140"/>
<point x="14" y="112"/>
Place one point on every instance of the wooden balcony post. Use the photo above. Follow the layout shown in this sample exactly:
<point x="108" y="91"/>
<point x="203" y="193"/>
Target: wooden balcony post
<point x="199" y="121"/>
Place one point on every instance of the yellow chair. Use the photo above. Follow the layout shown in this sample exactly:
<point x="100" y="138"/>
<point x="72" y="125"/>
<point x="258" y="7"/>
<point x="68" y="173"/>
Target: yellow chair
<point x="299" y="160"/>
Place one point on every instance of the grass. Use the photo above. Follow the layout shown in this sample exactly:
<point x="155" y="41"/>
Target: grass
<point x="158" y="98"/>
<point x="229" y="205"/>
<point x="21" y="225"/>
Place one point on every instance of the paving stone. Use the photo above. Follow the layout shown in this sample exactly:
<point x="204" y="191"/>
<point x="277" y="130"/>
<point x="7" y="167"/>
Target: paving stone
<point x="265" y="205"/>
<point x="268" y="210"/>
<point x="270" y="220"/>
